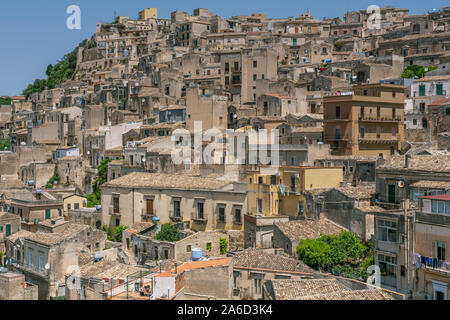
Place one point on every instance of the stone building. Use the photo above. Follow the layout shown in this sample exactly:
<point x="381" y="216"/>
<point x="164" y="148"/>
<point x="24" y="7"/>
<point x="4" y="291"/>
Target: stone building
<point x="205" y="203"/>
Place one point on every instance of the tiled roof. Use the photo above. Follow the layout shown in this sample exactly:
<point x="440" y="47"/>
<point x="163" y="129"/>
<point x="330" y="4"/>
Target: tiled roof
<point x="69" y="232"/>
<point x="308" y="229"/>
<point x="440" y="102"/>
<point x="326" y="289"/>
<point x="430" y="184"/>
<point x="139" y="227"/>
<point x="433" y="78"/>
<point x="196" y="265"/>
<point x="435" y="162"/>
<point x="289" y="289"/>
<point x="359" y="192"/>
<point x="169" y="181"/>
<point x="279" y="96"/>
<point x="258" y="259"/>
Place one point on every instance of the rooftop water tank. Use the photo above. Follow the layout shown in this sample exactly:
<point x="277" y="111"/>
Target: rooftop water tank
<point x="196" y="254"/>
<point x="156" y="220"/>
<point x="3" y="270"/>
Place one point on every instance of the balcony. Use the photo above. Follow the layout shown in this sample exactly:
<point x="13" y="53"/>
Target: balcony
<point x="375" y="118"/>
<point x="337" y="138"/>
<point x="114" y="211"/>
<point x="175" y="218"/>
<point x="200" y="220"/>
<point x="379" y="140"/>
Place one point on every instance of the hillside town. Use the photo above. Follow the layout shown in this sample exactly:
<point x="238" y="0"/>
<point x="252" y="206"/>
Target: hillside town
<point x="201" y="157"/>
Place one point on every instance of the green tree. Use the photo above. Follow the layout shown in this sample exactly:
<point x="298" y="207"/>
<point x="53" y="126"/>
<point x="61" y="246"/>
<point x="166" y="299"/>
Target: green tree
<point x="223" y="245"/>
<point x="314" y="253"/>
<point x="48" y="72"/>
<point x="118" y="232"/>
<point x="168" y="233"/>
<point x="5" y="101"/>
<point x="345" y="247"/>
<point x="415" y="70"/>
<point x="95" y="198"/>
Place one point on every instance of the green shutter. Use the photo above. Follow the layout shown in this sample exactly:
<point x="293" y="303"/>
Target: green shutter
<point x="8" y="229"/>
<point x="47" y="214"/>
<point x="439" y="89"/>
<point x="421" y="90"/>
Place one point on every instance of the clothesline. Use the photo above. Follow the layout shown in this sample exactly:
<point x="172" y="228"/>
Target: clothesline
<point x="423" y="261"/>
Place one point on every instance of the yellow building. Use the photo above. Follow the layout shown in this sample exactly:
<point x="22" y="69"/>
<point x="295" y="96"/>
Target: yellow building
<point x="74" y="202"/>
<point x="149" y="13"/>
<point x="282" y="192"/>
<point x="368" y="122"/>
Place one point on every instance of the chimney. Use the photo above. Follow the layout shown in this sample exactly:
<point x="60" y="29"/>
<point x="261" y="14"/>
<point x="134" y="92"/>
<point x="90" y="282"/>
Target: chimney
<point x="407" y="160"/>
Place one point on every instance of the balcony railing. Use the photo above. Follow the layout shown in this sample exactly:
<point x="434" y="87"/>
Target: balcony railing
<point x="114" y="211"/>
<point x="337" y="137"/>
<point x="376" y="118"/>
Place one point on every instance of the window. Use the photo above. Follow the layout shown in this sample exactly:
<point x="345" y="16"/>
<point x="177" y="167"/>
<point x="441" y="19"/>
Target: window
<point x="188" y="248"/>
<point x="69" y="206"/>
<point x="361" y="132"/>
<point x="176" y="208"/>
<point x="237" y="215"/>
<point x="441" y="250"/>
<point x="259" y="205"/>
<point x="236" y="66"/>
<point x="221" y="214"/>
<point x="260" y="180"/>
<point x="200" y="207"/>
<point x="255" y="63"/>
<point x="439" y="89"/>
<point x="41" y="263"/>
<point x="319" y="208"/>
<point x="254" y="77"/>
<point x="300" y="208"/>
<point x="386" y="231"/>
<point x="257" y="286"/>
<point x="149" y="203"/>
<point x="422" y="90"/>
<point x="47" y="214"/>
<point x="236" y="275"/>
<point x="30" y="259"/>
<point x="76" y="206"/>
<point x="116" y="207"/>
<point x="388" y="265"/>
<point x="338" y="112"/>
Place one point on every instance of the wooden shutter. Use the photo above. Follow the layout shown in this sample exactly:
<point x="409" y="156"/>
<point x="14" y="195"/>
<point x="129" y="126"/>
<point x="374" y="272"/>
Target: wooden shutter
<point x="150" y="206"/>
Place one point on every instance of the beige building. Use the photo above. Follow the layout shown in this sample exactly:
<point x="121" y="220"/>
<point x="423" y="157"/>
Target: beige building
<point x="149" y="13"/>
<point x="432" y="239"/>
<point x="368" y="121"/>
<point x="204" y="203"/>
<point x="74" y="202"/>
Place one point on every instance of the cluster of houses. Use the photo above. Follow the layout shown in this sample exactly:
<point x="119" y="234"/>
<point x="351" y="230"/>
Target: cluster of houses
<point x="354" y="147"/>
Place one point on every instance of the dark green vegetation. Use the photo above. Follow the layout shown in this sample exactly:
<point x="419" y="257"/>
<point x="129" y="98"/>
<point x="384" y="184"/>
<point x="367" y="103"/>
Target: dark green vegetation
<point x="95" y="198"/>
<point x="343" y="254"/>
<point x="416" y="71"/>
<point x="168" y="233"/>
<point x="56" y="74"/>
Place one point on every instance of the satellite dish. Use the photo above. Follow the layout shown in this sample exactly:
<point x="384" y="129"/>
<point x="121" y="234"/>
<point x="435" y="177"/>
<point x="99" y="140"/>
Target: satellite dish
<point x="235" y="116"/>
<point x="47" y="266"/>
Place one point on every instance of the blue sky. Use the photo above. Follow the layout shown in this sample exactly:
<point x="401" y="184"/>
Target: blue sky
<point x="33" y="33"/>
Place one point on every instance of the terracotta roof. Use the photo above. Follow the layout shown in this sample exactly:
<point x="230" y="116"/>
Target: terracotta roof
<point x="169" y="181"/>
<point x="308" y="229"/>
<point x="196" y="265"/>
<point x="440" y="102"/>
<point x="258" y="259"/>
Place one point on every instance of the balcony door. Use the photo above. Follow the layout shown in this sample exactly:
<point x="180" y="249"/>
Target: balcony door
<point x="150" y="207"/>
